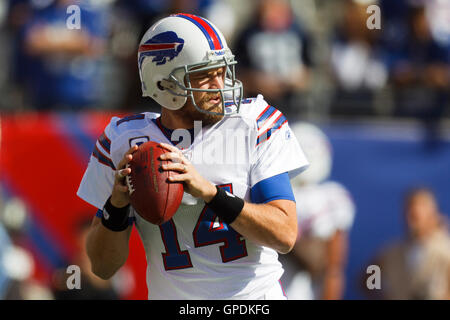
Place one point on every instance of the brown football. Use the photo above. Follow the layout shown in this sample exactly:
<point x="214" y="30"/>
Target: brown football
<point x="151" y="194"/>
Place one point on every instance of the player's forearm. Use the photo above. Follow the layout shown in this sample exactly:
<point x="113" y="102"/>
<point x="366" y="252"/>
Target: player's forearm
<point x="269" y="225"/>
<point x="107" y="250"/>
<point x="336" y="256"/>
<point x="333" y="285"/>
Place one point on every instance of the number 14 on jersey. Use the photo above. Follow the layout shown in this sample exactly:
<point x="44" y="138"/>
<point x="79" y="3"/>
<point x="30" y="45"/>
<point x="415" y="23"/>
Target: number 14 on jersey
<point x="206" y="232"/>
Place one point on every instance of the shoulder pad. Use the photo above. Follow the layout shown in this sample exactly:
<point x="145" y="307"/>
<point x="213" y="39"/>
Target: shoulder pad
<point x="118" y="126"/>
<point x="266" y="119"/>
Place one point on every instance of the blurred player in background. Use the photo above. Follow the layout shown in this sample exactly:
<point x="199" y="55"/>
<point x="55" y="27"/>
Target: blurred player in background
<point x="17" y="262"/>
<point x="5" y="278"/>
<point x="315" y="267"/>
<point x="418" y="266"/>
<point x="236" y="214"/>
<point x="92" y="287"/>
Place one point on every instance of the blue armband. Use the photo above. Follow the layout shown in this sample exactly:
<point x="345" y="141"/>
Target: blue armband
<point x="274" y="188"/>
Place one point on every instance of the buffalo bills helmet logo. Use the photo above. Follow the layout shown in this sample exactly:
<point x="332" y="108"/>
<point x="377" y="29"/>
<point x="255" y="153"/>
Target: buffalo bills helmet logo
<point x="163" y="47"/>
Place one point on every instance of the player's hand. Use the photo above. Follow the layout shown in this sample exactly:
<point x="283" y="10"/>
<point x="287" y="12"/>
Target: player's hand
<point x="194" y="183"/>
<point x="120" y="197"/>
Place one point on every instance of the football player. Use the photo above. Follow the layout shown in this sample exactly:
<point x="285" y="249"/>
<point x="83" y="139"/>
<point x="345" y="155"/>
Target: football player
<point x="235" y="158"/>
<point x="315" y="269"/>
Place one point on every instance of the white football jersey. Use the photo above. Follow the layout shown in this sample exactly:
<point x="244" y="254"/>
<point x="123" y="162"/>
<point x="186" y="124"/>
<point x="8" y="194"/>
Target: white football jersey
<point x="324" y="208"/>
<point x="194" y="255"/>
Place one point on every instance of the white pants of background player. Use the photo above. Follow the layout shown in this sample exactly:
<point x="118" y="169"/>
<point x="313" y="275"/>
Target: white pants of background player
<point x="276" y="292"/>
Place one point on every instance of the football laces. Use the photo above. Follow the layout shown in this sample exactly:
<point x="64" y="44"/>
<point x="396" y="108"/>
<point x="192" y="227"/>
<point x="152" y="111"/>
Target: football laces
<point x="129" y="182"/>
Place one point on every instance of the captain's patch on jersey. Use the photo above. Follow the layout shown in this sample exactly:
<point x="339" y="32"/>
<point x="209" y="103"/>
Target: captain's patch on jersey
<point x="138" y="140"/>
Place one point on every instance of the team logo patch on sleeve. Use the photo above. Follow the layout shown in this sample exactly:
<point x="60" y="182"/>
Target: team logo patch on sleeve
<point x="163" y="47"/>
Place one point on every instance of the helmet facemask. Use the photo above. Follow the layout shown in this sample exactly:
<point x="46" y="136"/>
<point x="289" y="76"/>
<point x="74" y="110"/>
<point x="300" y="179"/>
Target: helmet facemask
<point x="232" y="91"/>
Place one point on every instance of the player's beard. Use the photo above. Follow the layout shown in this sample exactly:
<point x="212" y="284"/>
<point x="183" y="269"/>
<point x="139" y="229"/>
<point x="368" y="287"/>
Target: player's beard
<point x="192" y="114"/>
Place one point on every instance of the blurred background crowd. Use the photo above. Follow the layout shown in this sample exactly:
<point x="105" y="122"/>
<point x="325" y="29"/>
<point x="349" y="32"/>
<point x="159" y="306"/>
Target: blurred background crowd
<point x="309" y="57"/>
<point x="370" y="106"/>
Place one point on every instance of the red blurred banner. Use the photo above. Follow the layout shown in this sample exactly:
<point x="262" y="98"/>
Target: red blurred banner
<point x="42" y="160"/>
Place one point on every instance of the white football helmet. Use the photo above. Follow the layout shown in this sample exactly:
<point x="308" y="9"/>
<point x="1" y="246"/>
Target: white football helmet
<point x="175" y="47"/>
<point x="317" y="148"/>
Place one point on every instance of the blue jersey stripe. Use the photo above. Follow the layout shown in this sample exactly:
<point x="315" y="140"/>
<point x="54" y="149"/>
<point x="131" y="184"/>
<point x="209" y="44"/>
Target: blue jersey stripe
<point x="275" y="126"/>
<point x="263" y="137"/>
<point x="260" y="121"/>
<point x="105" y="142"/>
<point x="245" y="101"/>
<point x="102" y="158"/>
